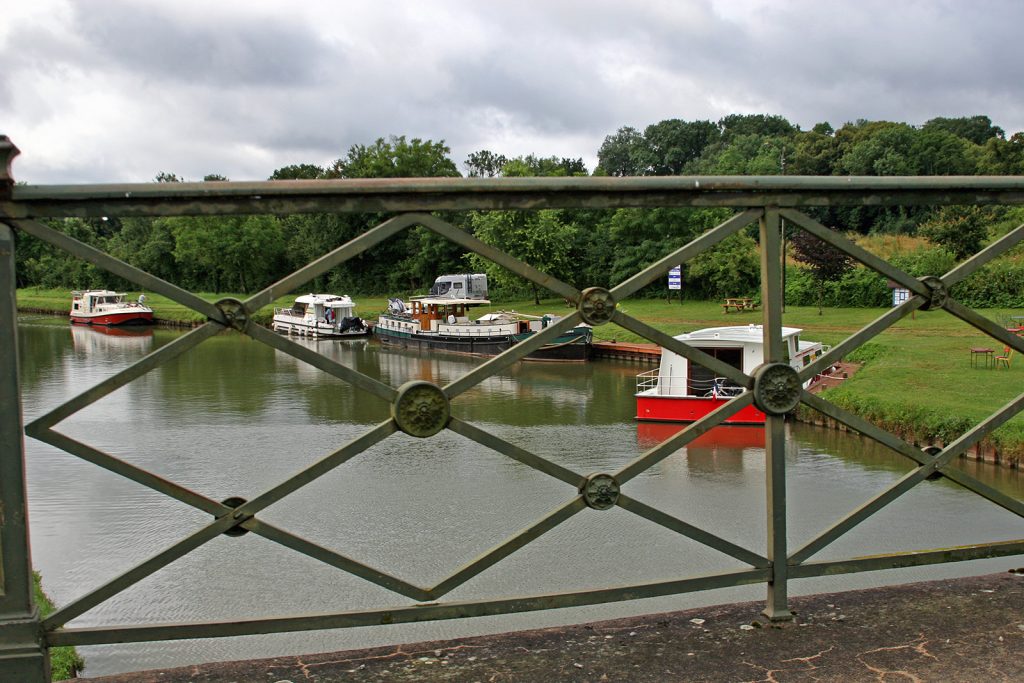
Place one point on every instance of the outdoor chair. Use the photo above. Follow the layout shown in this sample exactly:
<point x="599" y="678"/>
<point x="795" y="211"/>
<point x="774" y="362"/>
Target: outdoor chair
<point x="1005" y="358"/>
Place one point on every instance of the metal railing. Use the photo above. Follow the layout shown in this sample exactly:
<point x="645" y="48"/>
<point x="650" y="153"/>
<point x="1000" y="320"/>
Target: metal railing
<point x="423" y="409"/>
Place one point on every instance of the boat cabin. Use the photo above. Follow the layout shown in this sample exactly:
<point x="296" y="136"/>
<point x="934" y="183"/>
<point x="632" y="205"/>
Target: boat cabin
<point x="738" y="346"/>
<point x="681" y="390"/>
<point x="462" y="286"/>
<point x="322" y="307"/>
<point x="95" y="300"/>
<point x="438" y="314"/>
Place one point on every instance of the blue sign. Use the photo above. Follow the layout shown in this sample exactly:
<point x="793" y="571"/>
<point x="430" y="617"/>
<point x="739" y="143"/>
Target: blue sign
<point x="675" y="278"/>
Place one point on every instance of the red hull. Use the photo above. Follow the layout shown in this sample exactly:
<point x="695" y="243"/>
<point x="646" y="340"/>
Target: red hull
<point x="134" y="318"/>
<point x="650" y="434"/>
<point x="690" y="409"/>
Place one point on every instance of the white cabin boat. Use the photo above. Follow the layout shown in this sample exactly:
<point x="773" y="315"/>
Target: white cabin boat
<point x="683" y="391"/>
<point x="441" y="321"/>
<point x="105" y="307"/>
<point x="320" y="315"/>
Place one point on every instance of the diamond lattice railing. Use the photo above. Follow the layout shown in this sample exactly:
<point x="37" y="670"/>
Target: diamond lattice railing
<point x="422" y="409"/>
<point x="234" y="314"/>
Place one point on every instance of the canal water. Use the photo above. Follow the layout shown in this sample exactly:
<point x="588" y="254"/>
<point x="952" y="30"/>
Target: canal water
<point x="234" y="417"/>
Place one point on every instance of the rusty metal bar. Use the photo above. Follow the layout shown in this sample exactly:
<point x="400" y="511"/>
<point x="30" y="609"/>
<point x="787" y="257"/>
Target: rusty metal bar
<point x="777" y="597"/>
<point x="499" y="445"/>
<point x="139" y="572"/>
<point x="129" y="374"/>
<point x="709" y="239"/>
<point x="976" y="262"/>
<point x="867" y="258"/>
<point x="330" y="557"/>
<point x="511" y="355"/>
<point x="921" y="558"/>
<point x="23" y="653"/>
<point x="695" y="533"/>
<point x="984" y="324"/>
<point x="682" y="348"/>
<point x="669" y="446"/>
<point x="900" y="446"/>
<point x="500" y="552"/>
<point x="448" y="194"/>
<point x="354" y="247"/>
<point x="523" y="270"/>
<point x="909" y="480"/>
<point x="136" y="633"/>
<point x="854" y="341"/>
<point x="120" y="268"/>
<point x="321" y="362"/>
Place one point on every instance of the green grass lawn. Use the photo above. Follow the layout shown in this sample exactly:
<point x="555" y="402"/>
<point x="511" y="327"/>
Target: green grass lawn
<point x="64" y="661"/>
<point x="916" y="377"/>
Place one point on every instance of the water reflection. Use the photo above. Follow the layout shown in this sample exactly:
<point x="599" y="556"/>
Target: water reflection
<point x="722" y="449"/>
<point x="101" y="339"/>
<point x="234" y="417"/>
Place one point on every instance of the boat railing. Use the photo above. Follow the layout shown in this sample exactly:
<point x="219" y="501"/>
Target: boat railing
<point x="473" y="331"/>
<point x="681" y="385"/>
<point x="646" y="381"/>
<point x="397" y="317"/>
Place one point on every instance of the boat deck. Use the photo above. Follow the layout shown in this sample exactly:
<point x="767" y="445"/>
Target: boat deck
<point x="643" y="353"/>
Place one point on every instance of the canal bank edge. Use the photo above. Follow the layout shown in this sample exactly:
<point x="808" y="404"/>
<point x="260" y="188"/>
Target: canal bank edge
<point x="967" y="629"/>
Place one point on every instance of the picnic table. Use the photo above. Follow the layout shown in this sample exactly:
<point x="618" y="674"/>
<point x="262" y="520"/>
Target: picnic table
<point x="983" y="357"/>
<point x="739" y="304"/>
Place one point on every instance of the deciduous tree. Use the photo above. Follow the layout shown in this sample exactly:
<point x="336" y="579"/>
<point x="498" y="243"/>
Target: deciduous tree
<point x="825" y="262"/>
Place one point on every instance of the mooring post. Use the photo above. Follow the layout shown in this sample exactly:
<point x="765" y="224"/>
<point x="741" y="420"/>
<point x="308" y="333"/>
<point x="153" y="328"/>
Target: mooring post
<point x="23" y="653"/>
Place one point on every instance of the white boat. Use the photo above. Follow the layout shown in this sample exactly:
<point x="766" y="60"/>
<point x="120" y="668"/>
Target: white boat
<point x="320" y="315"/>
<point x="105" y="307"/>
<point x="681" y="390"/>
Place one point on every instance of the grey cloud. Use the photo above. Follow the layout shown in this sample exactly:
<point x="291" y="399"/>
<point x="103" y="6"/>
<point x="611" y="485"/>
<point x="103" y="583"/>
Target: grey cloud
<point x="161" y="43"/>
<point x="267" y="86"/>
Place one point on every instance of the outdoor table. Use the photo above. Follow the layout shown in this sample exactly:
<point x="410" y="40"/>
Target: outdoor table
<point x="987" y="357"/>
<point x="738" y="304"/>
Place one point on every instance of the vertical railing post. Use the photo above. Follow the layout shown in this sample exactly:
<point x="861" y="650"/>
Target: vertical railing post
<point x="777" y="608"/>
<point x="23" y="654"/>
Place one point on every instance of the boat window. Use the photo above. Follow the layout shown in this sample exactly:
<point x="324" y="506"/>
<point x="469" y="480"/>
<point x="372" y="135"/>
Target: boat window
<point x="807" y="360"/>
<point x="457" y="286"/>
<point x="700" y="378"/>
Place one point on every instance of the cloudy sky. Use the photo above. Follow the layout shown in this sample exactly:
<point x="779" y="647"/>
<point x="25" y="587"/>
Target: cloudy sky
<point x="120" y="90"/>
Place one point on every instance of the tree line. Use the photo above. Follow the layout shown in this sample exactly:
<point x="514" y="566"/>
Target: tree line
<point x="582" y="247"/>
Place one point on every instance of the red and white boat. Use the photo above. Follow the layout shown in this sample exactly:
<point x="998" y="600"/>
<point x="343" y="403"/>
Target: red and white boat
<point x="683" y="391"/>
<point x="105" y="307"/>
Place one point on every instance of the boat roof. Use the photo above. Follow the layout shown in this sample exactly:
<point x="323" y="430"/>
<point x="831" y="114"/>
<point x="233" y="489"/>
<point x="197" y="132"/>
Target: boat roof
<point x="97" y="292"/>
<point x="445" y="301"/>
<point x="744" y="334"/>
<point x="323" y="299"/>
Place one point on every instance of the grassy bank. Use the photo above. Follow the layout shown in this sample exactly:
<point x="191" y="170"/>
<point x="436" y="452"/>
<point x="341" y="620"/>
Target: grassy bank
<point x="64" y="661"/>
<point x="917" y="379"/>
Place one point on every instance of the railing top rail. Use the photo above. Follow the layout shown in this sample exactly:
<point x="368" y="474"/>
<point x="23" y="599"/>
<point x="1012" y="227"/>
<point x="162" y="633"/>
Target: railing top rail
<point x="428" y="194"/>
<point x="682" y="183"/>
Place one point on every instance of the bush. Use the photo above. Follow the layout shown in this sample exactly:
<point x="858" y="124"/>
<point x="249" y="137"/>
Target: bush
<point x="858" y="288"/>
<point x="1000" y="284"/>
